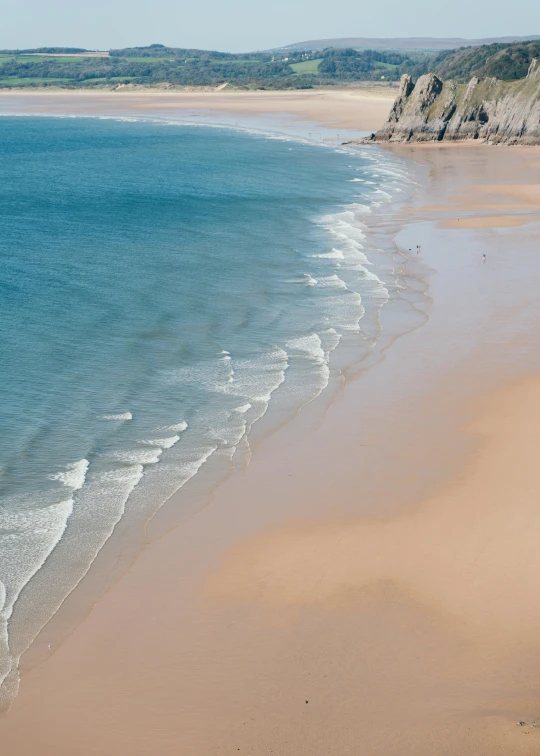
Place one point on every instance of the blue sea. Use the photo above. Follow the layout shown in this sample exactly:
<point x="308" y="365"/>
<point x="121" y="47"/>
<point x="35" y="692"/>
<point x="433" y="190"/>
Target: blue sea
<point x="168" y="292"/>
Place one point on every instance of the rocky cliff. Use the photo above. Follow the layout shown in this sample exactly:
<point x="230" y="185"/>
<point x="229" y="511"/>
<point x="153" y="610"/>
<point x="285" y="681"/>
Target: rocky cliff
<point x="488" y="109"/>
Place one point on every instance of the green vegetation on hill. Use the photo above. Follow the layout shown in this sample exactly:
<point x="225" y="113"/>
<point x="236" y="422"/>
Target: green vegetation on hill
<point x="347" y="64"/>
<point x="506" y="62"/>
<point x="158" y="65"/>
<point x="306" y="66"/>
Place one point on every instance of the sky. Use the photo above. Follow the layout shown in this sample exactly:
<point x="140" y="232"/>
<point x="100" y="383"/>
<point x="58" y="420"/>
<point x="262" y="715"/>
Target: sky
<point x="245" y="25"/>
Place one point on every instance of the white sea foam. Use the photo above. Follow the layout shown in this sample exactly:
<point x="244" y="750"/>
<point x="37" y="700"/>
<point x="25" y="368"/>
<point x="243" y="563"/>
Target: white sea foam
<point x="351" y="236"/>
<point x="193" y="465"/>
<point x="330" y="339"/>
<point x="176" y="428"/>
<point x="31" y="528"/>
<point x="228" y="360"/>
<point x="184" y="468"/>
<point x="332" y="282"/>
<point x="310" y="370"/>
<point x="73" y="476"/>
<point x="308" y="280"/>
<point x="361" y="209"/>
<point x="41" y="539"/>
<point x="356" y="280"/>
<point x="243" y="408"/>
<point x="264" y="371"/>
<point x="345" y="226"/>
<point x="210" y="375"/>
<point x="228" y="428"/>
<point x="317" y="348"/>
<point x="252" y="379"/>
<point x="310" y="346"/>
<point x="120" y="481"/>
<point x="256" y="379"/>
<point x="386" y="195"/>
<point x="137" y="456"/>
<point x="335" y="254"/>
<point x="165" y="443"/>
<point x="123" y="416"/>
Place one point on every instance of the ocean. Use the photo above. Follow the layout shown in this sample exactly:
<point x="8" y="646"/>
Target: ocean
<point x="169" y="294"/>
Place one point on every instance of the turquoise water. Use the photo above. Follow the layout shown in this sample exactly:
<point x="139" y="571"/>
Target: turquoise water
<point x="164" y="291"/>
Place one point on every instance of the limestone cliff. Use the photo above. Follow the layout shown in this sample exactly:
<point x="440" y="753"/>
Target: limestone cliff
<point x="488" y="109"/>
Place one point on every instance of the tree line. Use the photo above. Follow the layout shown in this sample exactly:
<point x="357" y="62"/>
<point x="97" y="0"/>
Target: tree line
<point x="157" y="64"/>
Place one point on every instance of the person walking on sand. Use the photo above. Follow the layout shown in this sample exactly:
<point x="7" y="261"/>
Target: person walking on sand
<point x="417" y="249"/>
<point x="484" y="257"/>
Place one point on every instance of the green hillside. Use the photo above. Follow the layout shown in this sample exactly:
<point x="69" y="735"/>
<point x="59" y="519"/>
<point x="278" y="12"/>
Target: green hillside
<point x="156" y="64"/>
<point x="289" y="69"/>
<point x="506" y="62"/>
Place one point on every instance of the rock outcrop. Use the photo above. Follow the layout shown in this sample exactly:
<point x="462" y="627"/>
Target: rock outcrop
<point x="487" y="109"/>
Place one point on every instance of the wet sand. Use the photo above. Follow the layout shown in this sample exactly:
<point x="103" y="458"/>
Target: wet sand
<point x="487" y="222"/>
<point x="368" y="584"/>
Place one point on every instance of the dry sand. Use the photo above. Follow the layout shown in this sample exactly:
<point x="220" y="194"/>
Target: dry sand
<point x="363" y="109"/>
<point x="469" y="554"/>
<point x="369" y="585"/>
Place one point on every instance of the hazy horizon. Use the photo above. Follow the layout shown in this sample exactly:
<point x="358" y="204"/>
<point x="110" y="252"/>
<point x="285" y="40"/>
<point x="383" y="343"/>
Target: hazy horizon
<point x="243" y="25"/>
<point x="141" y="45"/>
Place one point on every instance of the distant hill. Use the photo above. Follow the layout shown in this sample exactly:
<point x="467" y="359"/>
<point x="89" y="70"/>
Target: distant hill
<point x="431" y="44"/>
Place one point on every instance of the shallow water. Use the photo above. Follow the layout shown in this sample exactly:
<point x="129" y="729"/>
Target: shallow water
<point x="164" y="289"/>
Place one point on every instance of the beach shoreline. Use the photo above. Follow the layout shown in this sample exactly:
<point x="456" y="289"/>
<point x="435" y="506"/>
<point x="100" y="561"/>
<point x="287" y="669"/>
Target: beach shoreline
<point x="128" y="538"/>
<point x="268" y="628"/>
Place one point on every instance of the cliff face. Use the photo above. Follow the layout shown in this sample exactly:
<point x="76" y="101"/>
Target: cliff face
<point x="487" y="109"/>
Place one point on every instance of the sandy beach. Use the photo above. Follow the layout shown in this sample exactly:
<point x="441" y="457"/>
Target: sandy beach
<point x="368" y="584"/>
<point x="360" y="109"/>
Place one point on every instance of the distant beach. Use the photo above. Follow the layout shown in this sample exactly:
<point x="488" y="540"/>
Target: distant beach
<point x="359" y="109"/>
<point x="367" y="583"/>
